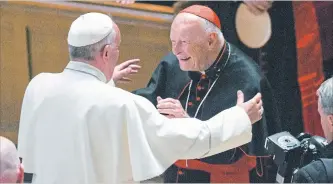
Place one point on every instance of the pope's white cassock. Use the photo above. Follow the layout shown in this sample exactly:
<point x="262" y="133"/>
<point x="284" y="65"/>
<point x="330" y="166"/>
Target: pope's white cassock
<point x="76" y="128"/>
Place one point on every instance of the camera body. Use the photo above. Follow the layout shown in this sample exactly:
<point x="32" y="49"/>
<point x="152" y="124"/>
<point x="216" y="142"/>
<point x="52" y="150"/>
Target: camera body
<point x="290" y="153"/>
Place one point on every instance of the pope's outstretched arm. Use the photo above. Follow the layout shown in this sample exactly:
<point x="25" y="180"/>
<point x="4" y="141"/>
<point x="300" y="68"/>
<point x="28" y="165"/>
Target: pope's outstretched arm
<point x="190" y="138"/>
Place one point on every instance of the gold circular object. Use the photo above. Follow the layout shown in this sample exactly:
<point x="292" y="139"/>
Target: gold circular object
<point x="253" y="30"/>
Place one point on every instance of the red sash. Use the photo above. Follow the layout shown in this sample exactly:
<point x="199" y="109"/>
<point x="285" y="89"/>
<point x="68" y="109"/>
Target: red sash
<point x="237" y="172"/>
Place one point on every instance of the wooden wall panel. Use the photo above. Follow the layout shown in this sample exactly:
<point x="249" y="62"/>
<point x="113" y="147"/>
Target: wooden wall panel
<point x="48" y="33"/>
<point x="41" y="28"/>
<point x="145" y="44"/>
<point x="13" y="72"/>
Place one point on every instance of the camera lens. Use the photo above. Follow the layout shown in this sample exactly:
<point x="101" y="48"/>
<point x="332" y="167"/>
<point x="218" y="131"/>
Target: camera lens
<point x="287" y="142"/>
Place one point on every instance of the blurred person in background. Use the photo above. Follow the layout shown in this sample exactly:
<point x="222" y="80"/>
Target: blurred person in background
<point x="11" y="170"/>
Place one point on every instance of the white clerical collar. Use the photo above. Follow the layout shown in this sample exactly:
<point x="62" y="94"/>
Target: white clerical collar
<point x="86" y="68"/>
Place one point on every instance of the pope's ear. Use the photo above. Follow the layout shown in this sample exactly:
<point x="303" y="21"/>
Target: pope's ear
<point x="106" y="51"/>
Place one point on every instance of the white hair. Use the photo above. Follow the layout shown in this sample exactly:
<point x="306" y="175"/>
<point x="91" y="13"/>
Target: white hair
<point x="89" y="52"/>
<point x="207" y="25"/>
<point x="212" y="28"/>
<point x="326" y="96"/>
<point x="9" y="160"/>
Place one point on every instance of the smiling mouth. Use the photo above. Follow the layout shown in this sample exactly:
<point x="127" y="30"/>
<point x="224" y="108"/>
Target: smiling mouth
<point x="186" y="59"/>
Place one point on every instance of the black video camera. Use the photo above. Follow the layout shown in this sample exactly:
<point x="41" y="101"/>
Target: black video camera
<point x="291" y="153"/>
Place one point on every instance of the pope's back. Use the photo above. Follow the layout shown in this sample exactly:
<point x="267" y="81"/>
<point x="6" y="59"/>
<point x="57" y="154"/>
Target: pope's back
<point x="67" y="115"/>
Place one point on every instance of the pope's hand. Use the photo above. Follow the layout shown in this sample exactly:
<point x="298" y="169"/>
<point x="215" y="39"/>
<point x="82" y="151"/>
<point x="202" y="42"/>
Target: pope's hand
<point x="170" y="107"/>
<point x="258" y="7"/>
<point x="123" y="70"/>
<point x="253" y="107"/>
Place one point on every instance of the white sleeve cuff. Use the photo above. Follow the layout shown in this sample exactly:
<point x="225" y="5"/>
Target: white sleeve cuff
<point x="111" y="83"/>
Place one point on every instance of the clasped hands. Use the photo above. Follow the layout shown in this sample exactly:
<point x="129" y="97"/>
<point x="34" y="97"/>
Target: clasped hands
<point x="172" y="108"/>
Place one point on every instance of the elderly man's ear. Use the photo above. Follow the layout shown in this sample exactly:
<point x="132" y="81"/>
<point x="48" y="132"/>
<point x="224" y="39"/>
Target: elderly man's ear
<point x="212" y="40"/>
<point x="330" y="121"/>
<point x="20" y="174"/>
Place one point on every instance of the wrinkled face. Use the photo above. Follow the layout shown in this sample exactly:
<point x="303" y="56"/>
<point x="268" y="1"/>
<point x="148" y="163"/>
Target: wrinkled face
<point x="190" y="43"/>
<point x="326" y="122"/>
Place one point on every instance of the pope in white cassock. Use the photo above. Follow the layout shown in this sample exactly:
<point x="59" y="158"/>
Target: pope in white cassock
<point x="77" y="127"/>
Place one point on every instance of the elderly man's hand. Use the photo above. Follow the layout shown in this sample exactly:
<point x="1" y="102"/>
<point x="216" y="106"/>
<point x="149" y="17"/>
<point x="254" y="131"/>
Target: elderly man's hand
<point x="253" y="107"/>
<point x="170" y="107"/>
<point x="258" y="7"/>
<point x="123" y="70"/>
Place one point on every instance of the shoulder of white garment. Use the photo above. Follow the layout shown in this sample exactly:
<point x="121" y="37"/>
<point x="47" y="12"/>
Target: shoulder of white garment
<point x="106" y="91"/>
<point x="39" y="79"/>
